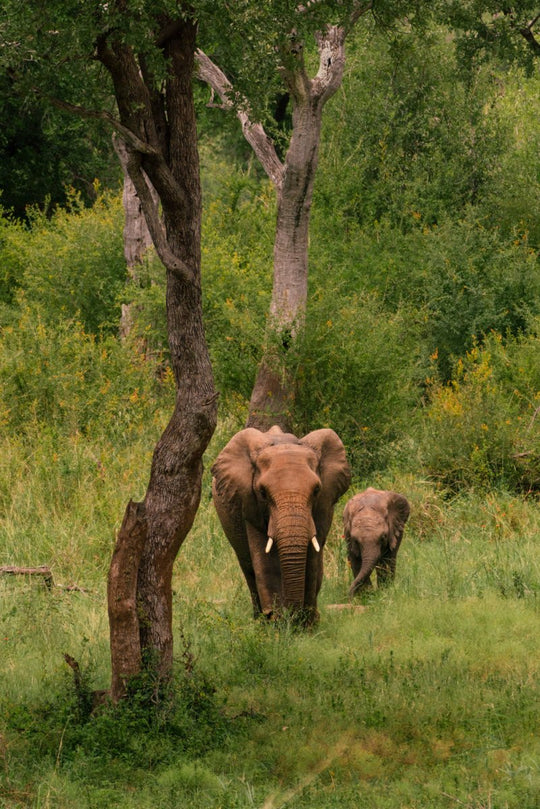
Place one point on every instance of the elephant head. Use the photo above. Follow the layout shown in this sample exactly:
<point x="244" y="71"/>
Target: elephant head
<point x="275" y="497"/>
<point x="374" y="521"/>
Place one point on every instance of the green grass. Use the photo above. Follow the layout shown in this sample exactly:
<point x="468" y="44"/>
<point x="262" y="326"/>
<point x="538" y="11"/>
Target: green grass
<point x="428" y="697"/>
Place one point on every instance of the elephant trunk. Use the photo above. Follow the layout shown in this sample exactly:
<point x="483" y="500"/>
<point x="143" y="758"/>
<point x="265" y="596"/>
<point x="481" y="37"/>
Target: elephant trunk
<point x="369" y="562"/>
<point x="294" y="530"/>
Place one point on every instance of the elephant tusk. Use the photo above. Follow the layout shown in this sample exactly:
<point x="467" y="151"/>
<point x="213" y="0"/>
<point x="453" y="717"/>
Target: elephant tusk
<point x="315" y="544"/>
<point x="269" y="545"/>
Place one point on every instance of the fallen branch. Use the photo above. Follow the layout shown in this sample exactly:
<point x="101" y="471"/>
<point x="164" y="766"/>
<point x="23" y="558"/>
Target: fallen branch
<point x="46" y="572"/>
<point x="349" y="607"/>
<point x="42" y="570"/>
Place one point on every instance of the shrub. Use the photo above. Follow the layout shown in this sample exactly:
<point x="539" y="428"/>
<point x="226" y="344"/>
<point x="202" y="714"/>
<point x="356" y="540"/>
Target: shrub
<point x="61" y="376"/>
<point x="481" y="428"/>
<point x="460" y="279"/>
<point x="71" y="264"/>
<point x="356" y="366"/>
<point x="237" y="280"/>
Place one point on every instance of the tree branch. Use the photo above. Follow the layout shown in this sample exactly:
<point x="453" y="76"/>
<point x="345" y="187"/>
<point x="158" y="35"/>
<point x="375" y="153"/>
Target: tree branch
<point x="101" y="115"/>
<point x="358" y="11"/>
<point x="42" y="570"/>
<point x="331" y="47"/>
<point x="153" y="220"/>
<point x="527" y="34"/>
<point x="525" y="31"/>
<point x="254" y="133"/>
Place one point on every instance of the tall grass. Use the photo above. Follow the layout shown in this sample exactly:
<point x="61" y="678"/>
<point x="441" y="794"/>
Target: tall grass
<point x="426" y="697"/>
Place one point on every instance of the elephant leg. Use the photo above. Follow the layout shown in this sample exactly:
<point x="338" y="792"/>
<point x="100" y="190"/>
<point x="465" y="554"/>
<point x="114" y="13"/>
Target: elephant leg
<point x="314" y="577"/>
<point x="266" y="571"/>
<point x="234" y="527"/>
<point x="386" y="570"/>
<point x="252" y="585"/>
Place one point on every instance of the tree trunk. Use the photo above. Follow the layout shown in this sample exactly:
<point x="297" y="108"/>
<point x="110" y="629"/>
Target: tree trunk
<point x="121" y="599"/>
<point x="273" y="393"/>
<point x="272" y="399"/>
<point x="159" y="128"/>
<point x="136" y="236"/>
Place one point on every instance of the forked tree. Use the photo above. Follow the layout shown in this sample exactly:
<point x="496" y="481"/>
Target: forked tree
<point x="293" y="177"/>
<point x="143" y="58"/>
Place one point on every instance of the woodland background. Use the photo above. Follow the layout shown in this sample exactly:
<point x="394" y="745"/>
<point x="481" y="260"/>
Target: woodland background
<point x="421" y="348"/>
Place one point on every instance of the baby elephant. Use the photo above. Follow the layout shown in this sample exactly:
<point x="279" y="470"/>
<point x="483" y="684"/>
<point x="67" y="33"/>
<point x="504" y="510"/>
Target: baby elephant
<point x="374" y="521"/>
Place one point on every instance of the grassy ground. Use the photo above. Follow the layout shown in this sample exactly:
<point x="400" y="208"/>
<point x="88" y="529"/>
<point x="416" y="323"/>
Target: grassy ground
<point x="425" y="697"/>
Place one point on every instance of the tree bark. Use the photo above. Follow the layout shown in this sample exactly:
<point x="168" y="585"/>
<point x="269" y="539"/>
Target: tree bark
<point x="272" y="399"/>
<point x="122" y="600"/>
<point x="159" y="128"/>
<point x="136" y="236"/>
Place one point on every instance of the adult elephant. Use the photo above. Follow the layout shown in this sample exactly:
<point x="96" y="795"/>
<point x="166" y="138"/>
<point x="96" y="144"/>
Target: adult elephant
<point x="374" y="521"/>
<point x="275" y="496"/>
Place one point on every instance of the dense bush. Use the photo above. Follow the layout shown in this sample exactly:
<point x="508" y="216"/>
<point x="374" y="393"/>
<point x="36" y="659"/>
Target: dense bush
<point x="238" y="238"/>
<point x="460" y="279"/>
<point x="482" y="428"/>
<point x="356" y="368"/>
<point x="71" y="264"/>
<point x="409" y="135"/>
<point x="60" y="376"/>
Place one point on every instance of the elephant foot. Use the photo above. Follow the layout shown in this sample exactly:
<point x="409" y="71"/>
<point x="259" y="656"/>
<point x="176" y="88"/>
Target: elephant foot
<point x="360" y="589"/>
<point x="303" y="618"/>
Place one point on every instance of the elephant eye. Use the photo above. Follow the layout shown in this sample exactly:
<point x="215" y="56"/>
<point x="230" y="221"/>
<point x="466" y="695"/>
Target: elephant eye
<point x="263" y="492"/>
<point x="317" y="490"/>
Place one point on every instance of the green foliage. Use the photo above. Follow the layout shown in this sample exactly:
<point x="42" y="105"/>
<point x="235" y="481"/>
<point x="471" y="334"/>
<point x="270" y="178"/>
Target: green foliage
<point x="512" y="198"/>
<point x="70" y="265"/>
<point x="408" y="137"/>
<point x="405" y="136"/>
<point x="148" y="728"/>
<point x="238" y="232"/>
<point x="355" y="370"/>
<point x="44" y="152"/>
<point x="468" y="281"/>
<point x="487" y="29"/>
<point x="459" y="280"/>
<point x="481" y="429"/>
<point x="62" y="378"/>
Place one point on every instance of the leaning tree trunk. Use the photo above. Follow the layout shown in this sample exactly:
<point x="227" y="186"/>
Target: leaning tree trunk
<point x="273" y="394"/>
<point x="158" y="124"/>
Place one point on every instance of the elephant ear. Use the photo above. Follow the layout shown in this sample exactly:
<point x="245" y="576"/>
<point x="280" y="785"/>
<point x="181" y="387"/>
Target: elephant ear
<point x="333" y="471"/>
<point x="347" y="518"/>
<point x="233" y="469"/>
<point x="398" y="514"/>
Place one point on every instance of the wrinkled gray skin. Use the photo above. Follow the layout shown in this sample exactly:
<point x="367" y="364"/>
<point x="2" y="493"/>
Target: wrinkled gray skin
<point x="374" y="521"/>
<point x="275" y="486"/>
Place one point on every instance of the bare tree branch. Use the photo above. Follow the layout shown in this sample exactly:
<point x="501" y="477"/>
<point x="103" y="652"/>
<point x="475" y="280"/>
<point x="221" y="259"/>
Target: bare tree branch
<point x="101" y="115"/>
<point x="527" y="34"/>
<point x="153" y="219"/>
<point x="42" y="570"/>
<point x="254" y="133"/>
